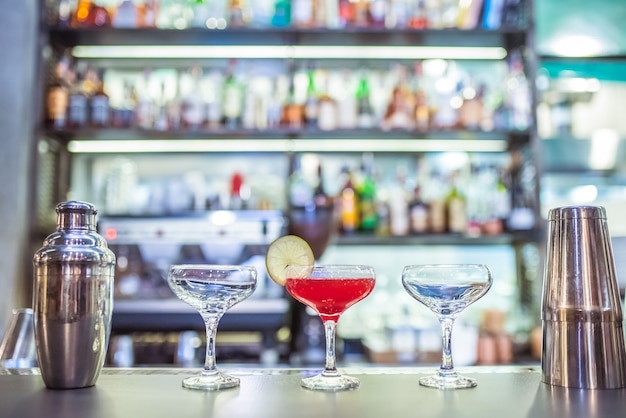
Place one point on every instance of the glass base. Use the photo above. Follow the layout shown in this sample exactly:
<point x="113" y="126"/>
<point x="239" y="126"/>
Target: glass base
<point x="448" y="381"/>
<point x="330" y="382"/>
<point x="212" y="381"/>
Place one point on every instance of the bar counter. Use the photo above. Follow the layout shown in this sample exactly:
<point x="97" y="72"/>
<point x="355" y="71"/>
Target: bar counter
<point x="385" y="392"/>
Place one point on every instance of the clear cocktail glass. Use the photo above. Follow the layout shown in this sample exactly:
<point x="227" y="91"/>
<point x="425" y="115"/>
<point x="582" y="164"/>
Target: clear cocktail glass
<point x="329" y="290"/>
<point x="447" y="289"/>
<point x="211" y="290"/>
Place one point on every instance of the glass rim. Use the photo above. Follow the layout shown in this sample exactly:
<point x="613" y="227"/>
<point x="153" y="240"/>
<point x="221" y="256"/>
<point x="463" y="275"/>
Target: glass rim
<point x="447" y="265"/>
<point x="200" y="266"/>
<point x="335" y="266"/>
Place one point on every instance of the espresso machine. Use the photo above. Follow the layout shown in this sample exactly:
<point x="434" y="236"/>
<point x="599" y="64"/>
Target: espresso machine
<point x="145" y="307"/>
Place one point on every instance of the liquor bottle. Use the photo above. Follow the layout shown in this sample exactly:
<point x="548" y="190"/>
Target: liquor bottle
<point x="399" y="205"/>
<point x="327" y="116"/>
<point x="147" y="13"/>
<point x="368" y="217"/>
<point x="348" y="198"/>
<point x="400" y="108"/>
<point x="301" y="193"/>
<point x="232" y="99"/>
<point x="302" y="13"/>
<point x="518" y="93"/>
<point x="365" y="113"/>
<point x="422" y="111"/>
<point x="161" y="120"/>
<point x="201" y="12"/>
<point x="346" y="104"/>
<point x="90" y="14"/>
<point x="456" y="208"/>
<point x="320" y="197"/>
<point x="471" y="111"/>
<point x="145" y="110"/>
<point x="125" y="15"/>
<point x="293" y="113"/>
<point x="100" y="111"/>
<point x="77" y="111"/>
<point x="418" y="213"/>
<point x="81" y="14"/>
<point x="282" y="14"/>
<point x="64" y="14"/>
<point x="419" y="15"/>
<point x="237" y="13"/>
<point x="377" y="13"/>
<point x="57" y="97"/>
<point x="237" y="200"/>
<point x="436" y="202"/>
<point x="311" y="106"/>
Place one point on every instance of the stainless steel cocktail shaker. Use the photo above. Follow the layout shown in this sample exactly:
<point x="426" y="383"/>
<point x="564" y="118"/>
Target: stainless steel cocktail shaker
<point x="583" y="339"/>
<point x="73" y="299"/>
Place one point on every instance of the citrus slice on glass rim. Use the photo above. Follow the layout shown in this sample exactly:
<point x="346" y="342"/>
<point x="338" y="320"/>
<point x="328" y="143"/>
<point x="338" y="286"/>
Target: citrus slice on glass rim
<point x="289" y="256"/>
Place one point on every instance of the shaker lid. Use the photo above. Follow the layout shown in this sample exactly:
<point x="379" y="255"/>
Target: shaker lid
<point x="76" y="206"/>
<point x="577" y="212"/>
<point x="74" y="214"/>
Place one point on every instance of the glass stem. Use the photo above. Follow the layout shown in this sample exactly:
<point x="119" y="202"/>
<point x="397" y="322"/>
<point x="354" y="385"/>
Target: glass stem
<point x="210" y="321"/>
<point x="447" y="368"/>
<point x="330" y="328"/>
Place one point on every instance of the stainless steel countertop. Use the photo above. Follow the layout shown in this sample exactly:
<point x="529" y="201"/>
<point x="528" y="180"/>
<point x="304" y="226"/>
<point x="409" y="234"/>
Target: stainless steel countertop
<point x="390" y="392"/>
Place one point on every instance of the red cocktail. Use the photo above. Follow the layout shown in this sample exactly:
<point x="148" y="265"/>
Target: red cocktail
<point x="330" y="290"/>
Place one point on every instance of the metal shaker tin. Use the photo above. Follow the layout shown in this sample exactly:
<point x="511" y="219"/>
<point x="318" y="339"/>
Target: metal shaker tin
<point x="73" y="299"/>
<point x="583" y="340"/>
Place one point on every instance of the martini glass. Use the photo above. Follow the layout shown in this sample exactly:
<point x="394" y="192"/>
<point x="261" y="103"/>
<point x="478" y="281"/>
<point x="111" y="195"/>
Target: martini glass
<point x="329" y="290"/>
<point x="211" y="290"/>
<point x="447" y="289"/>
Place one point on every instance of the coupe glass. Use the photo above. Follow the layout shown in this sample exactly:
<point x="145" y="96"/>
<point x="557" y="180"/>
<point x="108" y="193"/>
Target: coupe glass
<point x="211" y="290"/>
<point x="447" y="289"/>
<point x="330" y="290"/>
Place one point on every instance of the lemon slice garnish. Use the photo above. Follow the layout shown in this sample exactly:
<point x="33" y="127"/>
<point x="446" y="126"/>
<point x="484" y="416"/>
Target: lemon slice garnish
<point x="289" y="256"/>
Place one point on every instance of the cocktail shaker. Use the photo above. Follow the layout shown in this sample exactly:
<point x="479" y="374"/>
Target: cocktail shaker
<point x="583" y="339"/>
<point x="73" y="299"/>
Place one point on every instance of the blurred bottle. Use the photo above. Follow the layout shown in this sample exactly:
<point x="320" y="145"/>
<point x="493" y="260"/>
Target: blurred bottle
<point x="232" y="98"/>
<point x="88" y="14"/>
<point x="194" y="110"/>
<point x="302" y="13"/>
<point x="58" y="96"/>
<point x="145" y="110"/>
<point x="311" y="106"/>
<point x="436" y="202"/>
<point x="100" y="111"/>
<point x="368" y="216"/>
<point x="518" y="93"/>
<point x="78" y="105"/>
<point x="293" y="112"/>
<point x="399" y="204"/>
<point x="282" y="14"/>
<point x="327" y="116"/>
<point x="422" y="111"/>
<point x="201" y="12"/>
<point x="378" y="10"/>
<point x="456" y="207"/>
<point x="63" y="16"/>
<point x="161" y="119"/>
<point x="237" y="13"/>
<point x="472" y="109"/>
<point x="125" y="15"/>
<point x="147" y="12"/>
<point x="418" y="213"/>
<point x="365" y="113"/>
<point x="301" y="193"/>
<point x="124" y="113"/>
<point x="418" y="15"/>
<point x="349" y="204"/>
